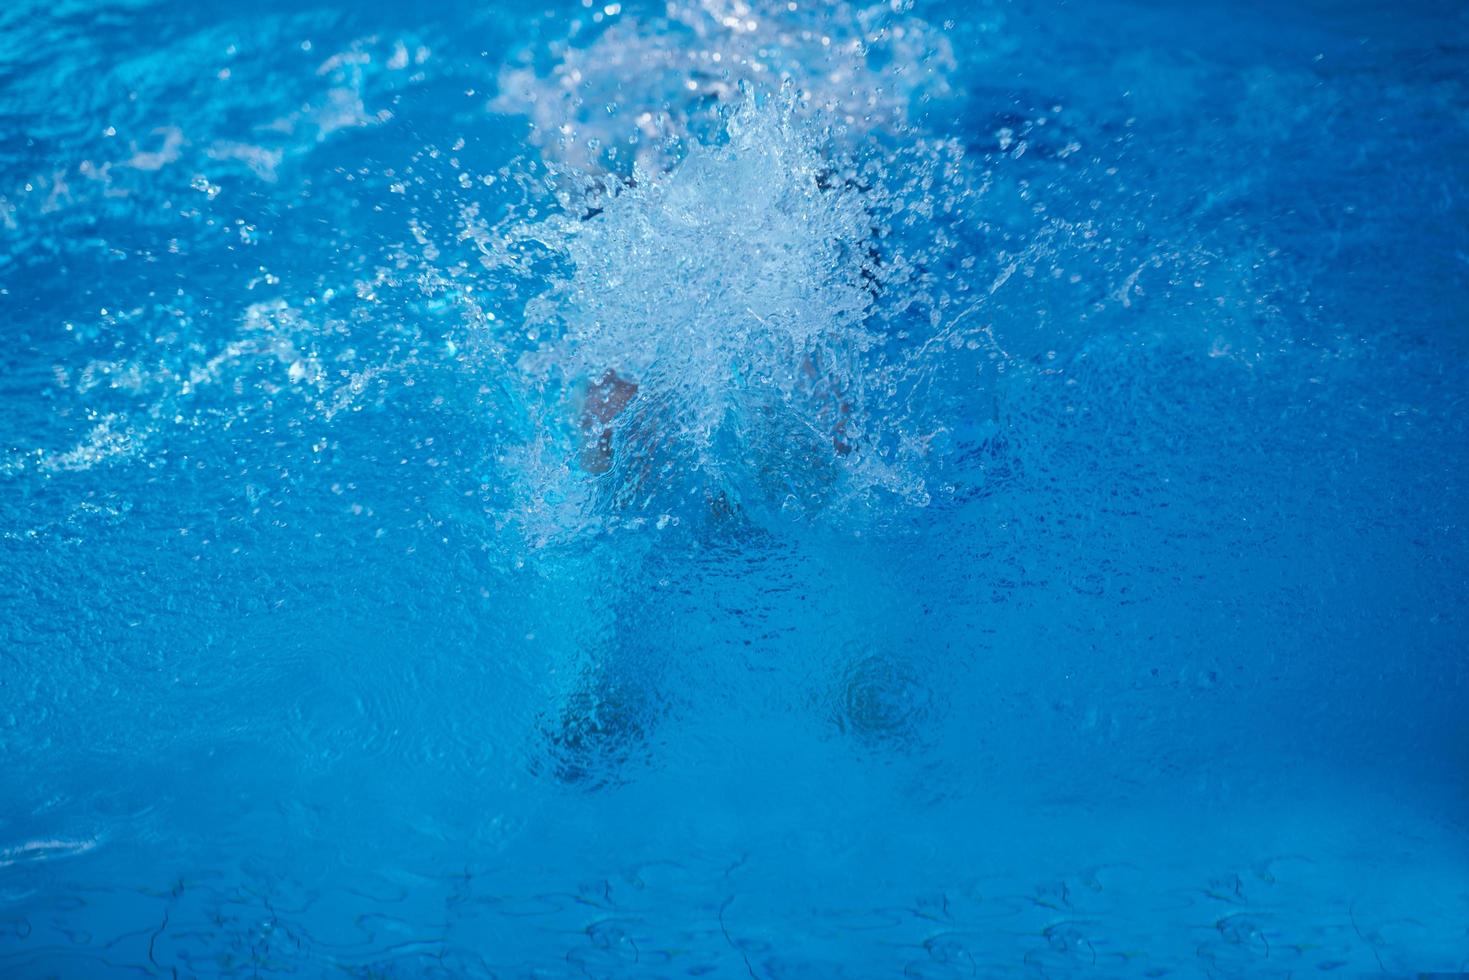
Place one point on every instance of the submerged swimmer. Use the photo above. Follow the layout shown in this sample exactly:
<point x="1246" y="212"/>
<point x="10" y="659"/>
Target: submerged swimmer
<point x="604" y="719"/>
<point x="713" y="333"/>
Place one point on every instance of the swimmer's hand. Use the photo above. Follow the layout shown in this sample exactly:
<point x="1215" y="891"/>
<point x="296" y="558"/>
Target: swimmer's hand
<point x="603" y="402"/>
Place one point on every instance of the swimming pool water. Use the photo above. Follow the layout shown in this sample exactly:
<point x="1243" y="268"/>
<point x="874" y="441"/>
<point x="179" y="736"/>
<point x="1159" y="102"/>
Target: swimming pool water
<point x="1026" y="534"/>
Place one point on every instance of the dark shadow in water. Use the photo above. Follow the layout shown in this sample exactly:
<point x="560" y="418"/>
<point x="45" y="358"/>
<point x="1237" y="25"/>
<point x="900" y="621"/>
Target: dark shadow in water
<point x="597" y="734"/>
<point x="883" y="702"/>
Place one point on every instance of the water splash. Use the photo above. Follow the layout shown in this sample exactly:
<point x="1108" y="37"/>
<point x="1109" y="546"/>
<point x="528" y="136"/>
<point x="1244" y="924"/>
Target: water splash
<point x="760" y="308"/>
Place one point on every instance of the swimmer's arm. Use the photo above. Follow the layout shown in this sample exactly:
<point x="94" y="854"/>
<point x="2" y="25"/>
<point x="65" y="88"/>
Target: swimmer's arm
<point x="602" y="403"/>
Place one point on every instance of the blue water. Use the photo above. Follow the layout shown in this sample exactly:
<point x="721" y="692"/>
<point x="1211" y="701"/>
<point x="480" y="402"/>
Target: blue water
<point x="733" y="489"/>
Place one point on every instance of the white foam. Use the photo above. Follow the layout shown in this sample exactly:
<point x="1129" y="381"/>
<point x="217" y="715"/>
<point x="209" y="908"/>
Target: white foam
<point x="748" y="292"/>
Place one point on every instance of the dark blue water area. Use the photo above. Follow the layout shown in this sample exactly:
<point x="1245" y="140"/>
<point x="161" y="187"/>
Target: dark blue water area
<point x="1108" y="620"/>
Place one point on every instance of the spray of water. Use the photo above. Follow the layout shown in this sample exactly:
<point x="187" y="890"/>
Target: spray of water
<point x="742" y="332"/>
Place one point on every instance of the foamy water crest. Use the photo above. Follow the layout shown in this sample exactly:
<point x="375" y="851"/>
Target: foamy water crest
<point x="763" y="309"/>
